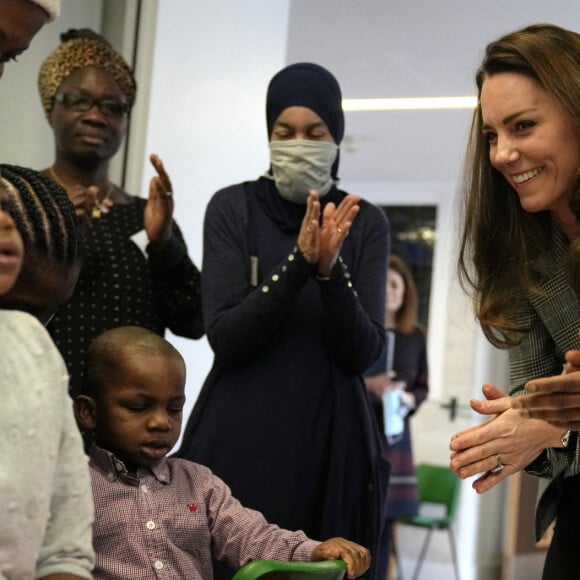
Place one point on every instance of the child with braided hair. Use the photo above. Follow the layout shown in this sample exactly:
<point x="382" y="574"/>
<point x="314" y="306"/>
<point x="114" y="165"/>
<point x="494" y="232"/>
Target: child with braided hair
<point x="47" y="223"/>
<point x="11" y="247"/>
<point x="46" y="509"/>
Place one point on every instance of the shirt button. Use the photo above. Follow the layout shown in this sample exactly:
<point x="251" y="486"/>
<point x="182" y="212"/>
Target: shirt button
<point x="111" y="476"/>
<point x="265" y="289"/>
<point x="275" y="277"/>
<point x="150" y="525"/>
<point x="144" y="489"/>
<point x="158" y="565"/>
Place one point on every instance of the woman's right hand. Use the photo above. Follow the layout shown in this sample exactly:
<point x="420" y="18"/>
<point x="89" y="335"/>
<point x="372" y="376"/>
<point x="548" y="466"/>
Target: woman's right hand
<point x="309" y="235"/>
<point x="555" y="399"/>
<point x="84" y="200"/>
<point x="572" y="361"/>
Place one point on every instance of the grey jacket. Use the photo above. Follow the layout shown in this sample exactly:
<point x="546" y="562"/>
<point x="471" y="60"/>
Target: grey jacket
<point x="553" y="317"/>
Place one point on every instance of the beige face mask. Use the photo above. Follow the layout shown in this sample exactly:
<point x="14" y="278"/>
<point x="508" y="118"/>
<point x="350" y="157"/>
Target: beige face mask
<point x="301" y="165"/>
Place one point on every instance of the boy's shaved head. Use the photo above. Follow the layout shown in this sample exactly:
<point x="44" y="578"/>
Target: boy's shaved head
<point x="109" y="349"/>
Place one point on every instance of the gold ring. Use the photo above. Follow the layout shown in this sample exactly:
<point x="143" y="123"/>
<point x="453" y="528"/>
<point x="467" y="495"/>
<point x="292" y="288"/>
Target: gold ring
<point x="339" y="230"/>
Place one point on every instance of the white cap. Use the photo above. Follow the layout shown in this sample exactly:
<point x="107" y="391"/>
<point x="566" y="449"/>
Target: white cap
<point x="51" y="7"/>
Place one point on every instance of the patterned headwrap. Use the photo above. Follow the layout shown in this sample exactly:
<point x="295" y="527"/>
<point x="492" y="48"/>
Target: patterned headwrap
<point x="80" y="49"/>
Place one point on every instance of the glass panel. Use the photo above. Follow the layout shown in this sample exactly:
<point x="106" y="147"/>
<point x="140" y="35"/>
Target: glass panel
<point x="413" y="239"/>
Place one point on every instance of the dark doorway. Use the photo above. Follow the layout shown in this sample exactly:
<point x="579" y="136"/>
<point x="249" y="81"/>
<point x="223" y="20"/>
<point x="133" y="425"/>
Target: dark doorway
<point x="413" y="239"/>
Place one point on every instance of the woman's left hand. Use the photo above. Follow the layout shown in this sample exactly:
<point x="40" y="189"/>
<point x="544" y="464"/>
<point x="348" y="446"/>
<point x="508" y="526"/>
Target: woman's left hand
<point x="336" y="223"/>
<point x="158" y="216"/>
<point x="507" y="438"/>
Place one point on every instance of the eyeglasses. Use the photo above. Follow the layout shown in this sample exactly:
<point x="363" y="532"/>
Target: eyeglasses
<point x="84" y="103"/>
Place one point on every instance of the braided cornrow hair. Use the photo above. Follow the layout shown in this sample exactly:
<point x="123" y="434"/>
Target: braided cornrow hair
<point x="43" y="213"/>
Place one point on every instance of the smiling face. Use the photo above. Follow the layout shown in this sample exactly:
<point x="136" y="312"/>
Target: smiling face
<point x="11" y="249"/>
<point x="88" y="137"/>
<point x="532" y="142"/>
<point x="137" y="415"/>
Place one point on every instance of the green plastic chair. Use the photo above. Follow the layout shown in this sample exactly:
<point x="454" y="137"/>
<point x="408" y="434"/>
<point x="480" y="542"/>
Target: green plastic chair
<point x="274" y="569"/>
<point x="437" y="485"/>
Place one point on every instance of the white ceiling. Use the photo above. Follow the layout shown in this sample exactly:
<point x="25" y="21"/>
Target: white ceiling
<point x="408" y="48"/>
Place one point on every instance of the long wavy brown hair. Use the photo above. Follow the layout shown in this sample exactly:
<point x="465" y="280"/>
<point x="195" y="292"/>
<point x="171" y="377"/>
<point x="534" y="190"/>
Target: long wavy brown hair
<point x="500" y="240"/>
<point x="406" y="317"/>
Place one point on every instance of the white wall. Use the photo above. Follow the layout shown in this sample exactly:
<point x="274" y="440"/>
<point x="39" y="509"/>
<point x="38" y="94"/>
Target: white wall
<point x="212" y="63"/>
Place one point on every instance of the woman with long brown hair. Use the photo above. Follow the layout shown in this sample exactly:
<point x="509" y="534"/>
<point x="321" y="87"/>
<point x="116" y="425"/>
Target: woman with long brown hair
<point x="520" y="259"/>
<point x="398" y="385"/>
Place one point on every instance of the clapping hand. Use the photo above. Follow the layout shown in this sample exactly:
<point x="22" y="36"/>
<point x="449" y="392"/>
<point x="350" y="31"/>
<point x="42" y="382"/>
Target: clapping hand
<point x="84" y="200"/>
<point x="501" y="446"/>
<point x="336" y="222"/>
<point x="320" y="243"/>
<point x="158" y="216"/>
<point x="309" y="235"/>
<point x="555" y="399"/>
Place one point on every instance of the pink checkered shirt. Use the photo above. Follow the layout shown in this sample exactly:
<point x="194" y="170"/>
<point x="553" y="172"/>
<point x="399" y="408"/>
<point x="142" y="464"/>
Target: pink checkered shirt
<point x="170" y="520"/>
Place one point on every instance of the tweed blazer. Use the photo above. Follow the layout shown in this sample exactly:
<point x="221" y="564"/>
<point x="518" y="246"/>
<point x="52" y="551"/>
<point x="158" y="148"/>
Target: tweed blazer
<point x="553" y="318"/>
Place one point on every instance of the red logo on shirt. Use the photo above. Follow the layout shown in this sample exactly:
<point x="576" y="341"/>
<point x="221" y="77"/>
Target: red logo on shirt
<point x="192" y="507"/>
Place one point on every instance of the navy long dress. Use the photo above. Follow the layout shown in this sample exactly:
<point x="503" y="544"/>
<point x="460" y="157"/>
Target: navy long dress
<point x="283" y="416"/>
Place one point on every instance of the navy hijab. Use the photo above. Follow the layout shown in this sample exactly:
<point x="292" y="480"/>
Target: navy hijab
<point x="309" y="85"/>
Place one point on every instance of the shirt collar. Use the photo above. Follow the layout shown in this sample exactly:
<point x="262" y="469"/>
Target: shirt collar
<point x="113" y="468"/>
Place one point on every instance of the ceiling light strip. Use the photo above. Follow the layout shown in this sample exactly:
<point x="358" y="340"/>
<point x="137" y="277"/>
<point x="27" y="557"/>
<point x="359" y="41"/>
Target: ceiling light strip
<point x="410" y="104"/>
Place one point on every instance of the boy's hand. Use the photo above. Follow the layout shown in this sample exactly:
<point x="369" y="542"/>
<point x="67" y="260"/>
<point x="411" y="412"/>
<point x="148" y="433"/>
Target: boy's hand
<point x="357" y="558"/>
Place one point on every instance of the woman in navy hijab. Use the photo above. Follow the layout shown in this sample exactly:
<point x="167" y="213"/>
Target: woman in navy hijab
<point x="293" y="286"/>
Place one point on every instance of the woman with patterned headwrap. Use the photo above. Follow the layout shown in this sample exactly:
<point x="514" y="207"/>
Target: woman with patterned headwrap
<point x="136" y="268"/>
<point x="294" y="312"/>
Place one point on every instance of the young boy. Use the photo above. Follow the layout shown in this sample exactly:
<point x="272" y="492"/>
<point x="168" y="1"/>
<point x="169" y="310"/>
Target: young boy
<point x="158" y="517"/>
